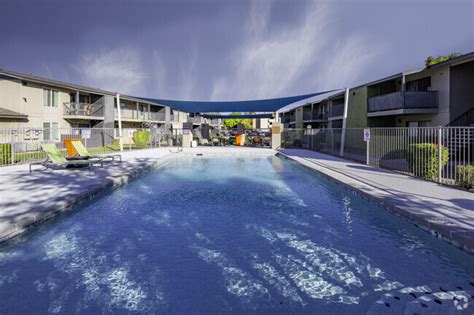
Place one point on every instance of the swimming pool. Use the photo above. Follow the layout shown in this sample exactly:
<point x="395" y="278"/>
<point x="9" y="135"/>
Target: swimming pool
<point x="235" y="235"/>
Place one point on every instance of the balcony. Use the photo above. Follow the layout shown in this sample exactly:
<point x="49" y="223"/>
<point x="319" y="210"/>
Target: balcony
<point x="336" y="111"/>
<point x="83" y="111"/>
<point x="196" y="120"/>
<point x="135" y="115"/>
<point x="403" y="102"/>
<point x="315" y="116"/>
<point x="157" y="116"/>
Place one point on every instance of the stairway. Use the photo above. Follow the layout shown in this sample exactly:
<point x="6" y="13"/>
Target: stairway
<point x="460" y="141"/>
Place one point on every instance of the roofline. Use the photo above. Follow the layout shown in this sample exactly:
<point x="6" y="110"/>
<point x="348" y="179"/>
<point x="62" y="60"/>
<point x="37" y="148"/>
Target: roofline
<point x="81" y="88"/>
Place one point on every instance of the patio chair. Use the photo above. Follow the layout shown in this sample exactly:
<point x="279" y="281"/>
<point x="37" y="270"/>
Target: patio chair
<point x="55" y="158"/>
<point x="83" y="153"/>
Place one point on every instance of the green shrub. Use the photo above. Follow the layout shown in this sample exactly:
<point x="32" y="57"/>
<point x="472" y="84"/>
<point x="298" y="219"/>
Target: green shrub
<point x="423" y="159"/>
<point x="465" y="176"/>
<point x="5" y="153"/>
<point x="141" y="138"/>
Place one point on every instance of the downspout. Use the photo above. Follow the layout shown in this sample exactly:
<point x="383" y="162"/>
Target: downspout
<point x="344" y="121"/>
<point x="119" y="118"/>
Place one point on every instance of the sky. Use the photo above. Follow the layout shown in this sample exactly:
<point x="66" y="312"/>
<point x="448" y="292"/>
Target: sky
<point x="228" y="50"/>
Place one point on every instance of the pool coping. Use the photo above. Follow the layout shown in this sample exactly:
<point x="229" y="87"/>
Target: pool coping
<point x="439" y="229"/>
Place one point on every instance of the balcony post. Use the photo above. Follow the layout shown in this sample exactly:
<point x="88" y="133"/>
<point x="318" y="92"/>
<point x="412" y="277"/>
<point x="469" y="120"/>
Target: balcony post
<point x="119" y="118"/>
<point x="344" y="119"/>
<point x="440" y="141"/>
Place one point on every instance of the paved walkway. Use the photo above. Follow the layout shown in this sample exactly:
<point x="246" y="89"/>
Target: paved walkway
<point x="444" y="211"/>
<point x="26" y="198"/>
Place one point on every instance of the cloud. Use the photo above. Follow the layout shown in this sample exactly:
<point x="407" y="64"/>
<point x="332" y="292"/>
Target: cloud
<point x="115" y="70"/>
<point x="310" y="55"/>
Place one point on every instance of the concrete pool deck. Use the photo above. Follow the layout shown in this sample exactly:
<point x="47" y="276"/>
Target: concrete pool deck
<point x="443" y="211"/>
<point x="26" y="199"/>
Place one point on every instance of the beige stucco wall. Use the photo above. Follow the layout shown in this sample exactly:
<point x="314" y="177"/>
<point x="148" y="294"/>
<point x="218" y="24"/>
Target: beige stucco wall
<point x="28" y="99"/>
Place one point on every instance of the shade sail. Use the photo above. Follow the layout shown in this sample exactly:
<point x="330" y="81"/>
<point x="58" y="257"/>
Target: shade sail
<point x="264" y="105"/>
<point x="238" y="116"/>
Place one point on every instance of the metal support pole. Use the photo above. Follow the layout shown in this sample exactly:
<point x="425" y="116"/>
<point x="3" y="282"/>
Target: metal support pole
<point x="344" y="119"/>
<point x="119" y="118"/>
<point x="368" y="153"/>
<point x="439" y="153"/>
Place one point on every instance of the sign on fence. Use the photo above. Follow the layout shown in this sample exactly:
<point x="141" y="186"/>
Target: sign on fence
<point x="86" y="133"/>
<point x="366" y="134"/>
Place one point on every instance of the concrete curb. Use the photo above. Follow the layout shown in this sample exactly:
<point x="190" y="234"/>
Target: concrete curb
<point x="441" y="229"/>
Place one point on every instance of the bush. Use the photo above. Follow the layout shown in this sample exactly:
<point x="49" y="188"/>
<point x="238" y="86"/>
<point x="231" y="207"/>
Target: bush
<point x="423" y="160"/>
<point x="141" y="138"/>
<point x="465" y="176"/>
<point x="5" y="153"/>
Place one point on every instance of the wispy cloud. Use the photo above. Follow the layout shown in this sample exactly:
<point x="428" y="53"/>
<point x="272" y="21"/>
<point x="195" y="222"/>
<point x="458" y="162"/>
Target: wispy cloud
<point x="273" y="64"/>
<point x="115" y="69"/>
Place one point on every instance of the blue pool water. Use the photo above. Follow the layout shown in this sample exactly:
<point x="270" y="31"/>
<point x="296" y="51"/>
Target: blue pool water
<point x="234" y="235"/>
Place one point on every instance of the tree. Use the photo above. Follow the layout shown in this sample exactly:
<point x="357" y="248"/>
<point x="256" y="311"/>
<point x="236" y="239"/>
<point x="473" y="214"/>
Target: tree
<point x="432" y="60"/>
<point x="231" y="122"/>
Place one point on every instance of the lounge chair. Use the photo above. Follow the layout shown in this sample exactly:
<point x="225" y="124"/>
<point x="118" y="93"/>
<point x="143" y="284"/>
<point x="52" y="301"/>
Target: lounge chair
<point x="55" y="158"/>
<point x="83" y="153"/>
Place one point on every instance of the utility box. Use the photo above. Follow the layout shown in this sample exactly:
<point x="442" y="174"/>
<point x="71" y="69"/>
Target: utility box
<point x="276" y="136"/>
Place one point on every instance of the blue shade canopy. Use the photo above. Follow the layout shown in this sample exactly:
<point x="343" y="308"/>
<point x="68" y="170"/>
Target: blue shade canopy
<point x="238" y="116"/>
<point x="266" y="105"/>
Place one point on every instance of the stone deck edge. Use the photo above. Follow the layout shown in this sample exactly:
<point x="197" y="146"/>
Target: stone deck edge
<point x="440" y="230"/>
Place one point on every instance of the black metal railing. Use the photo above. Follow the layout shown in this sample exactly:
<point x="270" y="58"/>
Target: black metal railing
<point x="403" y="100"/>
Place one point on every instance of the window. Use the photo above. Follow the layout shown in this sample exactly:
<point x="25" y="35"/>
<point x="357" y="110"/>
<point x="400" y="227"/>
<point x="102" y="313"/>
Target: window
<point x="424" y="123"/>
<point x="55" y="99"/>
<point x="54" y="131"/>
<point x="84" y="98"/>
<point x="50" y="131"/>
<point x="46" y="97"/>
<point x="423" y="84"/>
<point x="46" y="131"/>
<point x="50" y="98"/>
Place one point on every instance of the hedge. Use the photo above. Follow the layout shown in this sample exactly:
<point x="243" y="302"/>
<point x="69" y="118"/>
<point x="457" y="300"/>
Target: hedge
<point x="141" y="138"/>
<point x="465" y="176"/>
<point x="423" y="160"/>
<point x="5" y="153"/>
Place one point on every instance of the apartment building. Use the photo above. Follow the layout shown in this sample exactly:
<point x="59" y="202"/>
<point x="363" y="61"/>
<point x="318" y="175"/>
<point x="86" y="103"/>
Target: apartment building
<point x="439" y="95"/>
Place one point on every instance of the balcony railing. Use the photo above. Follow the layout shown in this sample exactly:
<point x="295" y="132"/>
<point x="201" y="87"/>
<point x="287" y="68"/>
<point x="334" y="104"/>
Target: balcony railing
<point x="83" y="109"/>
<point x="403" y="100"/>
<point x="196" y="120"/>
<point x="320" y="116"/>
<point x="139" y="115"/>
<point x="157" y="116"/>
<point x="312" y="116"/>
